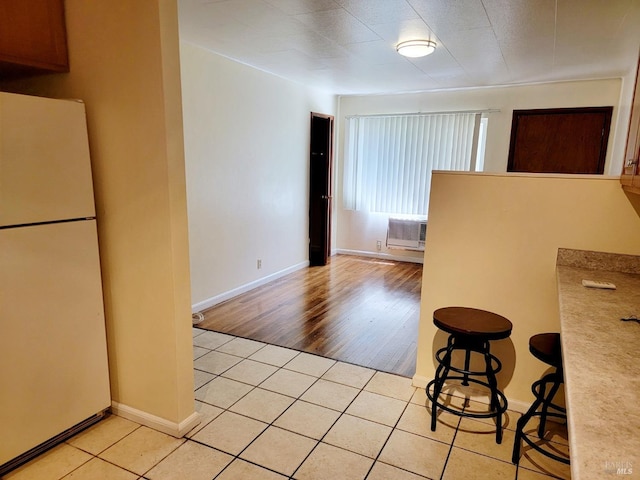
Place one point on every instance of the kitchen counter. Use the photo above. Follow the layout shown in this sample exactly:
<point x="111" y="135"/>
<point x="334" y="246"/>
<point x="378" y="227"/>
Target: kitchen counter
<point x="601" y="357"/>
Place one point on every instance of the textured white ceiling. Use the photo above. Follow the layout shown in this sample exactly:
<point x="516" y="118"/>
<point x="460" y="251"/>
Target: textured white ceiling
<point x="348" y="46"/>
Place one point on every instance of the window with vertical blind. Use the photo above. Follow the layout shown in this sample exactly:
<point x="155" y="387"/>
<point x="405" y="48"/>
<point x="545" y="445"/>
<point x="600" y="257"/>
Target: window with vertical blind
<point x="389" y="158"/>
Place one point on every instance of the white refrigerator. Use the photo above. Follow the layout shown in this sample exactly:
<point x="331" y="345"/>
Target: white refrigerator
<point x="54" y="375"/>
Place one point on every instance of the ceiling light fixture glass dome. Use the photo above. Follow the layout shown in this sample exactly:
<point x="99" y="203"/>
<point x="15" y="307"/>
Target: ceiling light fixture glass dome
<point x="416" y="48"/>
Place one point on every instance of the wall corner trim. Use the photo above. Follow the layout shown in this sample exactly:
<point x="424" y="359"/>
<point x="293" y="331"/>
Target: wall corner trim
<point x="174" y="429"/>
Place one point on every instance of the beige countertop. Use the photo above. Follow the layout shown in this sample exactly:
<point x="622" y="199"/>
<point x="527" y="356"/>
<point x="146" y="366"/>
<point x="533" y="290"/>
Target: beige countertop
<point x="601" y="357"/>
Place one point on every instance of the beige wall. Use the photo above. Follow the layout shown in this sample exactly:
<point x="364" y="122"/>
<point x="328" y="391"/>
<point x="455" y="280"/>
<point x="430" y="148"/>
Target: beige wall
<point x="125" y="66"/>
<point x="505" y="99"/>
<point x="359" y="231"/>
<point x="492" y="243"/>
<point x="247" y="164"/>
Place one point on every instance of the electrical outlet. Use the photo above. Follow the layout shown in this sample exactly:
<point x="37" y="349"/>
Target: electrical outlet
<point x="259" y="264"/>
<point x="379" y="245"/>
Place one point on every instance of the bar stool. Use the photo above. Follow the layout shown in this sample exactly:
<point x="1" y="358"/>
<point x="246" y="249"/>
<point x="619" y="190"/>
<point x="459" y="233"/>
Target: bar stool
<point x="469" y="330"/>
<point x="545" y="347"/>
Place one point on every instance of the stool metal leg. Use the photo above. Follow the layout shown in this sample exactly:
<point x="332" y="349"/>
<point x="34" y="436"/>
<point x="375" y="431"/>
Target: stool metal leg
<point x="441" y="375"/>
<point x="467" y="362"/>
<point x="522" y="422"/>
<point x="498" y="402"/>
<point x="493" y="387"/>
<point x="545" y="406"/>
<point x="546" y="400"/>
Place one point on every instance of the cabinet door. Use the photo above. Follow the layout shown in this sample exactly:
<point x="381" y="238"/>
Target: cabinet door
<point x="32" y="37"/>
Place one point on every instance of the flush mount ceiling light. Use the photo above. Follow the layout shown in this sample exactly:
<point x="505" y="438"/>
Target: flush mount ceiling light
<point x="416" y="48"/>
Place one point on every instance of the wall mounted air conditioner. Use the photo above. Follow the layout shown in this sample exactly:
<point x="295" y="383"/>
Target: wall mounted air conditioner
<point x="406" y="234"/>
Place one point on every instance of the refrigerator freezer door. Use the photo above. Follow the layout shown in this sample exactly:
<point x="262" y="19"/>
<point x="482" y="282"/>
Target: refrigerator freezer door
<point x="45" y="170"/>
<point x="53" y="355"/>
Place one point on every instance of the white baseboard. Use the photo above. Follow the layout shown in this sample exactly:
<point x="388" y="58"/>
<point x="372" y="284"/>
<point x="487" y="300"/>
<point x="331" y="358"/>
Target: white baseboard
<point x="518" y="405"/>
<point x="419" y="381"/>
<point x="382" y="256"/>
<point x="177" y="430"/>
<point x="210" y="302"/>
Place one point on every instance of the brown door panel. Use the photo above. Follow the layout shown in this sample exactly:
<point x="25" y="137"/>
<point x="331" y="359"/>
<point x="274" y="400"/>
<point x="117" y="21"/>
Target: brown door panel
<point x="320" y="167"/>
<point x="568" y="140"/>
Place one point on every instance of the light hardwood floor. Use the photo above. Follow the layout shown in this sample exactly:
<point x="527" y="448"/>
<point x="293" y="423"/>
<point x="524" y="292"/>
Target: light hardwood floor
<point x="355" y="309"/>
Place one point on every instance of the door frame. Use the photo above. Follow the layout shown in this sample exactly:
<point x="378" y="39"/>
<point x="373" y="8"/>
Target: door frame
<point x="331" y="140"/>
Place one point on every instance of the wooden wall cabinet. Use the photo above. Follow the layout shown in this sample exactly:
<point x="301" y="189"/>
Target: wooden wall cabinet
<point x="630" y="177"/>
<point x="33" y="37"/>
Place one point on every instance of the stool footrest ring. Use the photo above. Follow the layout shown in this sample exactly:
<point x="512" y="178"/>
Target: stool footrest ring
<point x="543" y="402"/>
<point x="540" y="394"/>
<point x="468" y="343"/>
<point x="494" y="369"/>
<point x="538" y="447"/>
<point x="502" y="400"/>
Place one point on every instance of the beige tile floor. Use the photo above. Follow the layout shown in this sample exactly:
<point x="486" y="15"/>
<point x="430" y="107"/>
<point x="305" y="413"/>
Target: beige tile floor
<point x="274" y="413"/>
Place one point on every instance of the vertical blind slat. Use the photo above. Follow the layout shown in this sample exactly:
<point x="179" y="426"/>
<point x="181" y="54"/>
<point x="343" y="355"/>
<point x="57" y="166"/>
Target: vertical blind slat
<point x="389" y="159"/>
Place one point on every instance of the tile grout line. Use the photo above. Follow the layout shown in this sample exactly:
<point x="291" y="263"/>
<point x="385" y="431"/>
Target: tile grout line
<point x="300" y="351"/>
<point x="98" y="457"/>
<point x="387" y="440"/>
<point x="341" y="412"/>
<point x="453" y="440"/>
<point x="271" y="424"/>
<point x="227" y="409"/>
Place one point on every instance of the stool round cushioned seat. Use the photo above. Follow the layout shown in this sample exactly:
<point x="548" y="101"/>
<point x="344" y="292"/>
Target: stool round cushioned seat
<point x="546" y="348"/>
<point x="472" y="322"/>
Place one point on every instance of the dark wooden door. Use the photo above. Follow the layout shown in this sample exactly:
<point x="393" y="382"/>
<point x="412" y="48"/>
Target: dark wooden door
<point x="321" y="163"/>
<point x="563" y="140"/>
